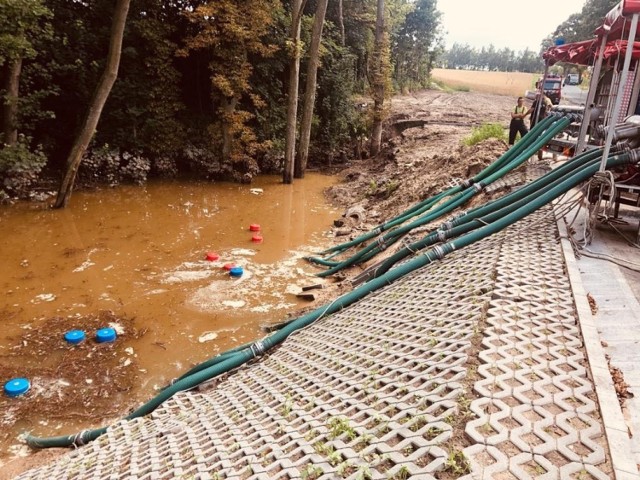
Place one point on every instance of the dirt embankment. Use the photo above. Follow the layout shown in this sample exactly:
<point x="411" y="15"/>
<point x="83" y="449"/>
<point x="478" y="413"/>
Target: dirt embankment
<point x="423" y="160"/>
<point x="420" y="161"/>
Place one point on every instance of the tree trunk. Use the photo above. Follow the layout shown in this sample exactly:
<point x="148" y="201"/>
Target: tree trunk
<point x="97" y="103"/>
<point x="378" y="82"/>
<point x="228" y="107"/>
<point x="310" y="90"/>
<point x="10" y="107"/>
<point x="292" y="104"/>
<point x="341" y="22"/>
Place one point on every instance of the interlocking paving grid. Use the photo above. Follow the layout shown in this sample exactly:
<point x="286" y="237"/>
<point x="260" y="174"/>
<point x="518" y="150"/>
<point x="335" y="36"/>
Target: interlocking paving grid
<point x="373" y="391"/>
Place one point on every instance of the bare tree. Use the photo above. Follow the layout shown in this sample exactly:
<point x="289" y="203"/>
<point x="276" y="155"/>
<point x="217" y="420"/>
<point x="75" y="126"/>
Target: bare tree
<point x="100" y="96"/>
<point x="378" y="81"/>
<point x="341" y="22"/>
<point x="292" y="104"/>
<point x="310" y="89"/>
<point x="10" y="110"/>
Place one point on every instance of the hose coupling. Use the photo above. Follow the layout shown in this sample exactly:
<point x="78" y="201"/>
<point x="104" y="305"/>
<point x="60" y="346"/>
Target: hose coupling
<point x="448" y="225"/>
<point x="634" y="155"/>
<point x="467" y="183"/>
<point x="381" y="243"/>
<point x="79" y="438"/>
<point x="478" y="187"/>
<point x="442" y="235"/>
<point x="439" y="252"/>
<point x="257" y="348"/>
<point x="622" y="146"/>
<point x="377" y="230"/>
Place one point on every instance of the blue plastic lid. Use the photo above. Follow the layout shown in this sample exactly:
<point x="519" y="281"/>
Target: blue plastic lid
<point x="236" y="272"/>
<point x="16" y="387"/>
<point x="107" y="334"/>
<point x="74" y="336"/>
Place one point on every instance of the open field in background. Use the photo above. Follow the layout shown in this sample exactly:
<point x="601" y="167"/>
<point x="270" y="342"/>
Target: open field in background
<point x="503" y="83"/>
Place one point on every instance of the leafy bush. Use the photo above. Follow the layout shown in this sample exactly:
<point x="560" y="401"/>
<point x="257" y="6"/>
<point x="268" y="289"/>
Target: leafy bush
<point x="487" y="130"/>
<point x="106" y="165"/>
<point x="20" y="166"/>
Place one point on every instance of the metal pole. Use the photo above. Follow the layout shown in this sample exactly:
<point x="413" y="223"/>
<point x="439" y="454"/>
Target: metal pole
<point x="541" y="91"/>
<point x="591" y="95"/>
<point x="619" y="94"/>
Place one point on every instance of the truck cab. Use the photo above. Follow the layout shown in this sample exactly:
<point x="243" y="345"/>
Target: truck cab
<point x="552" y="88"/>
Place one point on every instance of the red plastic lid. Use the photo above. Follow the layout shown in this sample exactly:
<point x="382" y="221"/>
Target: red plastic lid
<point x="212" y="256"/>
<point x="257" y="238"/>
<point x="228" y="266"/>
<point x="254" y="227"/>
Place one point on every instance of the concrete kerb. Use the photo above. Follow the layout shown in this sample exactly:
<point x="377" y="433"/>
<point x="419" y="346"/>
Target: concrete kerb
<point x="616" y="431"/>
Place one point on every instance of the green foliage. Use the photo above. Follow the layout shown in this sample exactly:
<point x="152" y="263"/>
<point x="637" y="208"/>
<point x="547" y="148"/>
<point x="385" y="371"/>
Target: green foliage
<point x="233" y="33"/>
<point x="337" y="122"/>
<point x="580" y="26"/>
<point x="487" y="130"/>
<point x="416" y="44"/>
<point x="22" y="21"/>
<point x="20" y="165"/>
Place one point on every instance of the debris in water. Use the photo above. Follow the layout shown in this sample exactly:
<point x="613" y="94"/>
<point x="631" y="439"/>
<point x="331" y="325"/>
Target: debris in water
<point x="44" y="297"/>
<point x="207" y="337"/>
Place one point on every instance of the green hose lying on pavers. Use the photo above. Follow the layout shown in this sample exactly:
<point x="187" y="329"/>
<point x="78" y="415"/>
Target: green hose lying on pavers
<point x="536" y="139"/>
<point x="426" y="204"/>
<point x="234" y="358"/>
<point x="486" y="213"/>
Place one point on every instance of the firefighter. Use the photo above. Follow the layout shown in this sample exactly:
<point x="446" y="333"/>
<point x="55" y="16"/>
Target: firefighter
<point x="517" y="121"/>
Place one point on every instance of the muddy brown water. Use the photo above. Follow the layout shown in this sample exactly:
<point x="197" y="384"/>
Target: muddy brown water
<point x="139" y="252"/>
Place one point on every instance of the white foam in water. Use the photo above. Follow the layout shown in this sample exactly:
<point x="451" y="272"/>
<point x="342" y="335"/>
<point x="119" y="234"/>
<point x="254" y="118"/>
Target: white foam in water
<point x="186" y="276"/>
<point x="234" y="304"/>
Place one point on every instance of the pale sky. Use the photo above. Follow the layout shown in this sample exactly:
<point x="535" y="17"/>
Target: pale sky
<point x="516" y="24"/>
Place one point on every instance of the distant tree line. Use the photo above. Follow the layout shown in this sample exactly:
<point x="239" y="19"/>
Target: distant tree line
<point x="465" y="57"/>
<point x="202" y="86"/>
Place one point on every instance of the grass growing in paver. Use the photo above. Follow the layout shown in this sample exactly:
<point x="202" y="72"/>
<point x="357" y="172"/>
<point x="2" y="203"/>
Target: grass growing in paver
<point x="457" y="463"/>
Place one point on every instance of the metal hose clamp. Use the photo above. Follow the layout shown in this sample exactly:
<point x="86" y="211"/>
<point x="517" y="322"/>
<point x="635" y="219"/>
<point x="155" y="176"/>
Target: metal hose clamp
<point x="381" y="243"/>
<point x="257" y="348"/>
<point x="79" y="438"/>
<point x="467" y="183"/>
<point x="448" y="225"/>
<point x="377" y="230"/>
<point x="634" y="155"/>
<point x="478" y="186"/>
<point x="439" y="252"/>
<point x="442" y="235"/>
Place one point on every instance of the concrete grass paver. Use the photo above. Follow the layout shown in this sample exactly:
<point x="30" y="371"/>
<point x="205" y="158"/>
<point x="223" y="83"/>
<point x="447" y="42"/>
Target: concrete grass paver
<point x="478" y="357"/>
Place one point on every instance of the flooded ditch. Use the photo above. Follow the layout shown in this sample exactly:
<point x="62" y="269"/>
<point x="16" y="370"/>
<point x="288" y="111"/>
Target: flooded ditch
<point x="134" y="258"/>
